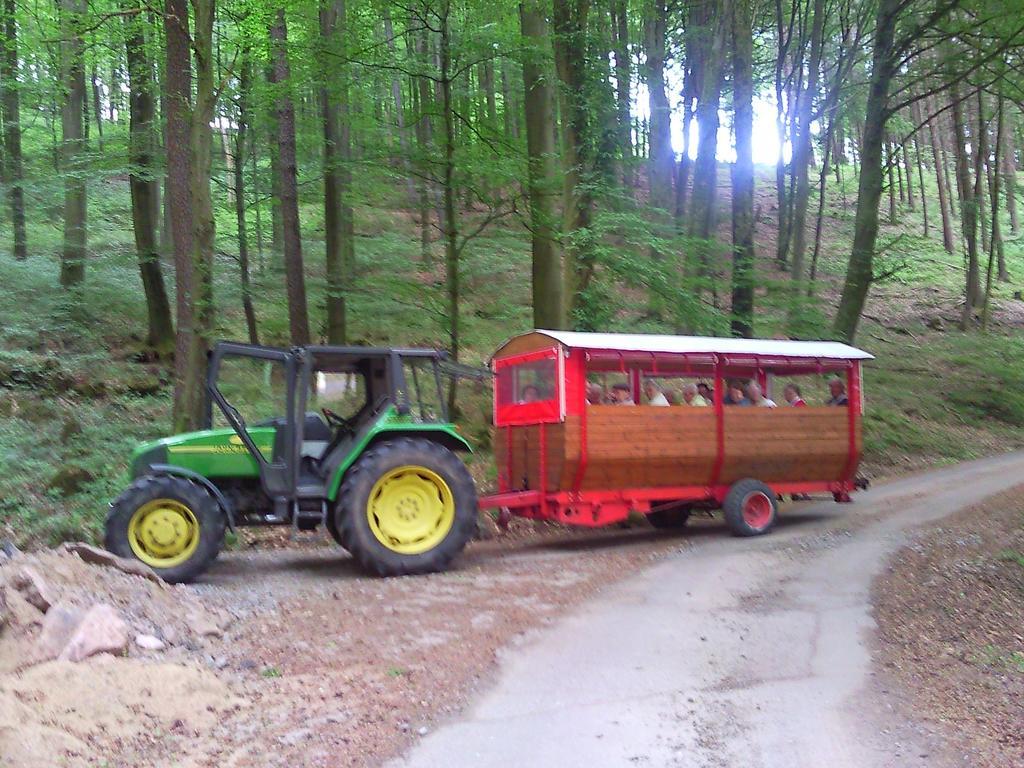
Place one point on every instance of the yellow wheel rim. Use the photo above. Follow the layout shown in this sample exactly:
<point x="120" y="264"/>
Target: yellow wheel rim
<point x="411" y="509"/>
<point x="163" y="533"/>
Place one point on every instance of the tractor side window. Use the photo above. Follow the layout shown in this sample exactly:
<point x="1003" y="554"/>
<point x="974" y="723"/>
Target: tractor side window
<point x="256" y="388"/>
<point x="527" y="390"/>
<point x="426" y="400"/>
<point x="343" y="393"/>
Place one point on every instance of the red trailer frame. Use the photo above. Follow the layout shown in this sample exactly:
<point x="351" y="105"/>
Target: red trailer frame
<point x="569" y="357"/>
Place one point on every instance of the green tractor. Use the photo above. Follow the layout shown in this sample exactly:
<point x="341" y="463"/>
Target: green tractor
<point x="377" y="466"/>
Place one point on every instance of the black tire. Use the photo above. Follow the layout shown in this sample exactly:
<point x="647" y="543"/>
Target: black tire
<point x="332" y="528"/>
<point x="353" y="512"/>
<point x="204" y="508"/>
<point x="750" y="508"/>
<point x="673" y="518"/>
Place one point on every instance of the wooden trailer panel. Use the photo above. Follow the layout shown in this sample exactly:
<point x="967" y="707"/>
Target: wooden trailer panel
<point x="641" y="446"/>
<point x="787" y="444"/>
<point x="647" y="446"/>
<point x="522" y="463"/>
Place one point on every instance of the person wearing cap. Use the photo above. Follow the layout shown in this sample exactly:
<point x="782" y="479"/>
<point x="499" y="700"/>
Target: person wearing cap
<point x="622" y="395"/>
<point x="705" y="391"/>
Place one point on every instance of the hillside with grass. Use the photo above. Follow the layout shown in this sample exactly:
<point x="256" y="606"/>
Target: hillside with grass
<point x="78" y="390"/>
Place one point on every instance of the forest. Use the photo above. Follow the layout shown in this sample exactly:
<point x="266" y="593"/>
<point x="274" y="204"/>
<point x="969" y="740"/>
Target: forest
<point x="447" y="173"/>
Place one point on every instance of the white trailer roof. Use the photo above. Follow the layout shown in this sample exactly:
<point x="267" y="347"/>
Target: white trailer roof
<point x="654" y="343"/>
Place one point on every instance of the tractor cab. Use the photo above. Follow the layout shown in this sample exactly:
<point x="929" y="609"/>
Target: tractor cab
<point x="292" y="437"/>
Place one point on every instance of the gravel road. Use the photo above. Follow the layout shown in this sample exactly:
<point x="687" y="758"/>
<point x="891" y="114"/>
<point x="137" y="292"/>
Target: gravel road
<point x="752" y="652"/>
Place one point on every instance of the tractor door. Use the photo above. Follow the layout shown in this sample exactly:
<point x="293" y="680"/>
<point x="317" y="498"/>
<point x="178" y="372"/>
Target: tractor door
<point x="254" y="385"/>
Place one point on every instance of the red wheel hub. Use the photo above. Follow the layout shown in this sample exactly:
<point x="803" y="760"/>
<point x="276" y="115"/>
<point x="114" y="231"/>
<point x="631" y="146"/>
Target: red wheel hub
<point x="757" y="510"/>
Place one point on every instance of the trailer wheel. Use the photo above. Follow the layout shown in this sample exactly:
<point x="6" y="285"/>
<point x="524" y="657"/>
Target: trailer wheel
<point x="672" y="518"/>
<point x="169" y="523"/>
<point x="750" y="508"/>
<point x="406" y="506"/>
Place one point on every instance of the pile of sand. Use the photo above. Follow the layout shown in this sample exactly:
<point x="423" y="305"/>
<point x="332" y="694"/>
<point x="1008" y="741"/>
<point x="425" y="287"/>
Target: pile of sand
<point x="64" y="713"/>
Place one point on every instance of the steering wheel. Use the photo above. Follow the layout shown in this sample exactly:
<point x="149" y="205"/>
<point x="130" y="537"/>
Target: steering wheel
<point x="335" y="419"/>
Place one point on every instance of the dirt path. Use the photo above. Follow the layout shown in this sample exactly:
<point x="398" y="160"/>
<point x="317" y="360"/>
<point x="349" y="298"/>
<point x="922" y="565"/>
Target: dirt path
<point x="749" y="653"/>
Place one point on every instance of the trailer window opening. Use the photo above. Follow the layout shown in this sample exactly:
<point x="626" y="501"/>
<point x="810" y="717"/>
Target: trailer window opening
<point x="528" y="389"/>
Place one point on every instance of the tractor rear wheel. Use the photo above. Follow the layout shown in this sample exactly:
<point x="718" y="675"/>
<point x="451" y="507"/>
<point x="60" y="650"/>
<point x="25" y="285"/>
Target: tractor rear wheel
<point x="750" y="508"/>
<point x="672" y="518"/>
<point x="406" y="506"/>
<point x="169" y="523"/>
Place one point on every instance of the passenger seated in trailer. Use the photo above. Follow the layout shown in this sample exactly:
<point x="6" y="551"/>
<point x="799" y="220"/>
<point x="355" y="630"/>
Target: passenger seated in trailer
<point x="692" y="396"/>
<point x="793" y="397"/>
<point x="529" y="394"/>
<point x="595" y="394"/>
<point x="622" y="395"/>
<point x="837" y="388"/>
<point x="757" y="396"/>
<point x="736" y="395"/>
<point x="705" y="391"/>
<point x="654" y="394"/>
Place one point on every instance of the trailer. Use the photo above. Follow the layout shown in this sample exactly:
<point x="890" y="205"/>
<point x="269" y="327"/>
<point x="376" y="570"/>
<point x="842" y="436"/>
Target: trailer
<point x="563" y="458"/>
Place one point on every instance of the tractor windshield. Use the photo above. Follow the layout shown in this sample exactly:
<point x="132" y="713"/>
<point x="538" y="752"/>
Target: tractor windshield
<point x="255" y="387"/>
<point x="423" y="388"/>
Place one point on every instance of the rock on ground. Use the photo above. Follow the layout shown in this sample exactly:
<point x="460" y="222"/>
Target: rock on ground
<point x="102" y="630"/>
<point x="96" y="556"/>
<point x="59" y="626"/>
<point x="33" y="588"/>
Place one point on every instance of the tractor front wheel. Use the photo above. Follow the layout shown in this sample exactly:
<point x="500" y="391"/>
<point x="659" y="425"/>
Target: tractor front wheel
<point x="169" y="523"/>
<point x="406" y="506"/>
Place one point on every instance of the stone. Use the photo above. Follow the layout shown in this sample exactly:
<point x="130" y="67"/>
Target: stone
<point x="7" y="547"/>
<point x="203" y="626"/>
<point x="96" y="556"/>
<point x="149" y="642"/>
<point x="102" y="630"/>
<point x="59" y="626"/>
<point x="33" y="588"/>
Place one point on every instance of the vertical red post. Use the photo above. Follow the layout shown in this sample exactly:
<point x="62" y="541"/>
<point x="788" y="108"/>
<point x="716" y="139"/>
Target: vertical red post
<point x="853" y="410"/>
<point x="716" y="471"/>
<point x="634" y="384"/>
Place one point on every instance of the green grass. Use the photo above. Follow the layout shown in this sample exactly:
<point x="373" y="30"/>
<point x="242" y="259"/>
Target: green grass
<point x="74" y="398"/>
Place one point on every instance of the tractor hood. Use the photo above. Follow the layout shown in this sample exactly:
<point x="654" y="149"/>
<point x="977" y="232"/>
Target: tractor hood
<point x="210" y="452"/>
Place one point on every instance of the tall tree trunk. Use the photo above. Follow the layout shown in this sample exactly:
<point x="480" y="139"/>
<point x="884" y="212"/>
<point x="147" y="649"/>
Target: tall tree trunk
<point x="891" y="163"/>
<point x="802" y="148"/>
<point x="276" y="216"/>
<point x="144" y="186"/>
<point x="337" y="177"/>
<point x="72" y="55"/>
<point x="1010" y="182"/>
<point x="10" y="100"/>
<point x="920" y="183"/>
<point x="96" y="109"/>
<point x="451" y="233"/>
<point x="192" y="338"/>
<point x="620" y="36"/>
<point x="570" y="25"/>
<point x="548" y="294"/>
<point x="940" y="182"/>
<point x="241" y="134"/>
<point x="295" y="276"/>
<point x="396" y="96"/>
<point x="907" y="166"/>
<point x="742" y="322"/>
<point x="859" y="272"/>
<point x="662" y="159"/>
<point x="968" y="206"/>
<point x="996" y="240"/>
<point x="701" y="224"/>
